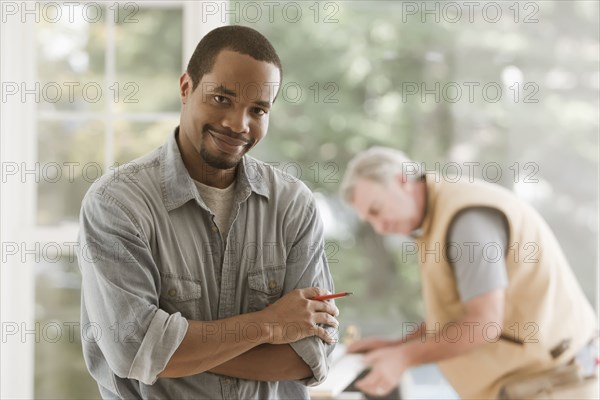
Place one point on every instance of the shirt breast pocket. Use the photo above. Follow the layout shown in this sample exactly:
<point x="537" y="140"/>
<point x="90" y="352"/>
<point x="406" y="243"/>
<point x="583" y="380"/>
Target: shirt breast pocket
<point x="181" y="294"/>
<point x="266" y="285"/>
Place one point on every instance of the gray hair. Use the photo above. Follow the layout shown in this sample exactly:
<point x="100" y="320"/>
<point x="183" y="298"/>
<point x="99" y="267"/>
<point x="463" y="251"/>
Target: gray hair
<point x="378" y="164"/>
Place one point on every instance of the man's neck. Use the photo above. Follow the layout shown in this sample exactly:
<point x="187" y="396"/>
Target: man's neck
<point x="201" y="171"/>
<point x="421" y="202"/>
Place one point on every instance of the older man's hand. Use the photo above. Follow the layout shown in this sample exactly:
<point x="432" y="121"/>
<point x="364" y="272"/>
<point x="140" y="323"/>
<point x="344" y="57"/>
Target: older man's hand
<point x="387" y="366"/>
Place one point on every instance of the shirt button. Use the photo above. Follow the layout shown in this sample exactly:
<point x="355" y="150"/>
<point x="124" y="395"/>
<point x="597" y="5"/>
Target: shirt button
<point x="172" y="292"/>
<point x="272" y="284"/>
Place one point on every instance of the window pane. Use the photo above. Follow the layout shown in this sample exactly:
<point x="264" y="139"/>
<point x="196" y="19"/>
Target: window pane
<point x="71" y="157"/>
<point x="134" y="139"/>
<point x="71" y="55"/>
<point x="149" y="54"/>
<point x="521" y="92"/>
<point x="389" y="77"/>
<point x="60" y="371"/>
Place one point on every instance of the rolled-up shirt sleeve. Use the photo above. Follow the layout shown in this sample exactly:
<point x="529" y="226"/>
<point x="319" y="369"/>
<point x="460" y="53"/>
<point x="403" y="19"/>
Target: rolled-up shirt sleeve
<point x="120" y="293"/>
<point x="307" y="267"/>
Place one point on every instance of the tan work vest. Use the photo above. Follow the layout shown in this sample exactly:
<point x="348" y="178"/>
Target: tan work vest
<point x="544" y="303"/>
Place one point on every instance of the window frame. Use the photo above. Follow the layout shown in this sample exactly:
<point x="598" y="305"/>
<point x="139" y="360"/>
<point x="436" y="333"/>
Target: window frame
<point x="18" y="199"/>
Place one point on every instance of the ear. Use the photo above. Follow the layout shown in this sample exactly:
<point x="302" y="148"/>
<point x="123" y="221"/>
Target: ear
<point x="404" y="183"/>
<point x="400" y="179"/>
<point x="185" y="87"/>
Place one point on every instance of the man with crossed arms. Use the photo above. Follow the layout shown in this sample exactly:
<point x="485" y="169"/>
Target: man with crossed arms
<point x="202" y="261"/>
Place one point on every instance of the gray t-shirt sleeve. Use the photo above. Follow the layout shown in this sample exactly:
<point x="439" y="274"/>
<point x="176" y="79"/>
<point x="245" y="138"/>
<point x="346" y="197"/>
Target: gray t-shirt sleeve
<point x="476" y="249"/>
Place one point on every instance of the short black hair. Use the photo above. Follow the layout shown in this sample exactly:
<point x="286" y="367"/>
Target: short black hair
<point x="240" y="39"/>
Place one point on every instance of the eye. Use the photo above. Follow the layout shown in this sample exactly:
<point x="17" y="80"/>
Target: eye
<point x="220" y="99"/>
<point x="259" y="111"/>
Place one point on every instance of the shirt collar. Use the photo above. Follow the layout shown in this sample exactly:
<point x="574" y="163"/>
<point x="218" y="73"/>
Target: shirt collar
<point x="251" y="173"/>
<point x="178" y="187"/>
<point x="430" y="193"/>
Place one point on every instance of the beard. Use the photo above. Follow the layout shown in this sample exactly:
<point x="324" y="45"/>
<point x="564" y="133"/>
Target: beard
<point x="220" y="162"/>
<point x="218" y="159"/>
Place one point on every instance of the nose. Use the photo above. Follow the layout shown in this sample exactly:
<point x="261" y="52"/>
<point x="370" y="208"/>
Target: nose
<point x="237" y="121"/>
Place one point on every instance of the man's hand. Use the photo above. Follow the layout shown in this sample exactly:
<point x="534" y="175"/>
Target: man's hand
<point x="389" y="363"/>
<point x="295" y="316"/>
<point x="387" y="366"/>
<point x="369" y="344"/>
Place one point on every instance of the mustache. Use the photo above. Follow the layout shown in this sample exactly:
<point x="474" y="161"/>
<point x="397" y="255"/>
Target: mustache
<point x="231" y="134"/>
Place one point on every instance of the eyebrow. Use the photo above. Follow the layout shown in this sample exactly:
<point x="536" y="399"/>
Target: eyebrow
<point x="223" y="90"/>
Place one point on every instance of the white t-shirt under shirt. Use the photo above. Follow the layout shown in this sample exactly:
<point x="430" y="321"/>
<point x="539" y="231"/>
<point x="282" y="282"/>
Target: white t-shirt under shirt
<point x="219" y="202"/>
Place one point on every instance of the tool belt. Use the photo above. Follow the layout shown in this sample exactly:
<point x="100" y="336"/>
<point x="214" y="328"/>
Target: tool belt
<point x="566" y="381"/>
<point x="562" y="382"/>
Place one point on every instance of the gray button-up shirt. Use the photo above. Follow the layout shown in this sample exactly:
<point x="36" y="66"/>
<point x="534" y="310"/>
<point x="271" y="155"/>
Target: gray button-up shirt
<point x="152" y="257"/>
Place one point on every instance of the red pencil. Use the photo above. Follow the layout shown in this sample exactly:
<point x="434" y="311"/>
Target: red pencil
<point x="331" y="296"/>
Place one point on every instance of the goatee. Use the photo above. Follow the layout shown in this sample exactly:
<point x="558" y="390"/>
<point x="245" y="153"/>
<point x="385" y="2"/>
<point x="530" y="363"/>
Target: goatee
<point x="218" y="162"/>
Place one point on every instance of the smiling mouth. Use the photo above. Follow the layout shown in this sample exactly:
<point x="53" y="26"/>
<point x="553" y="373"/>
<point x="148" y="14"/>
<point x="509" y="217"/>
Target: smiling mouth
<point x="226" y="143"/>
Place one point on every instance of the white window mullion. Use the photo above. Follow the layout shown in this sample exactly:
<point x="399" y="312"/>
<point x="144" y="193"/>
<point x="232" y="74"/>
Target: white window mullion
<point x="196" y="25"/>
<point x="110" y="77"/>
<point x="17" y="212"/>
